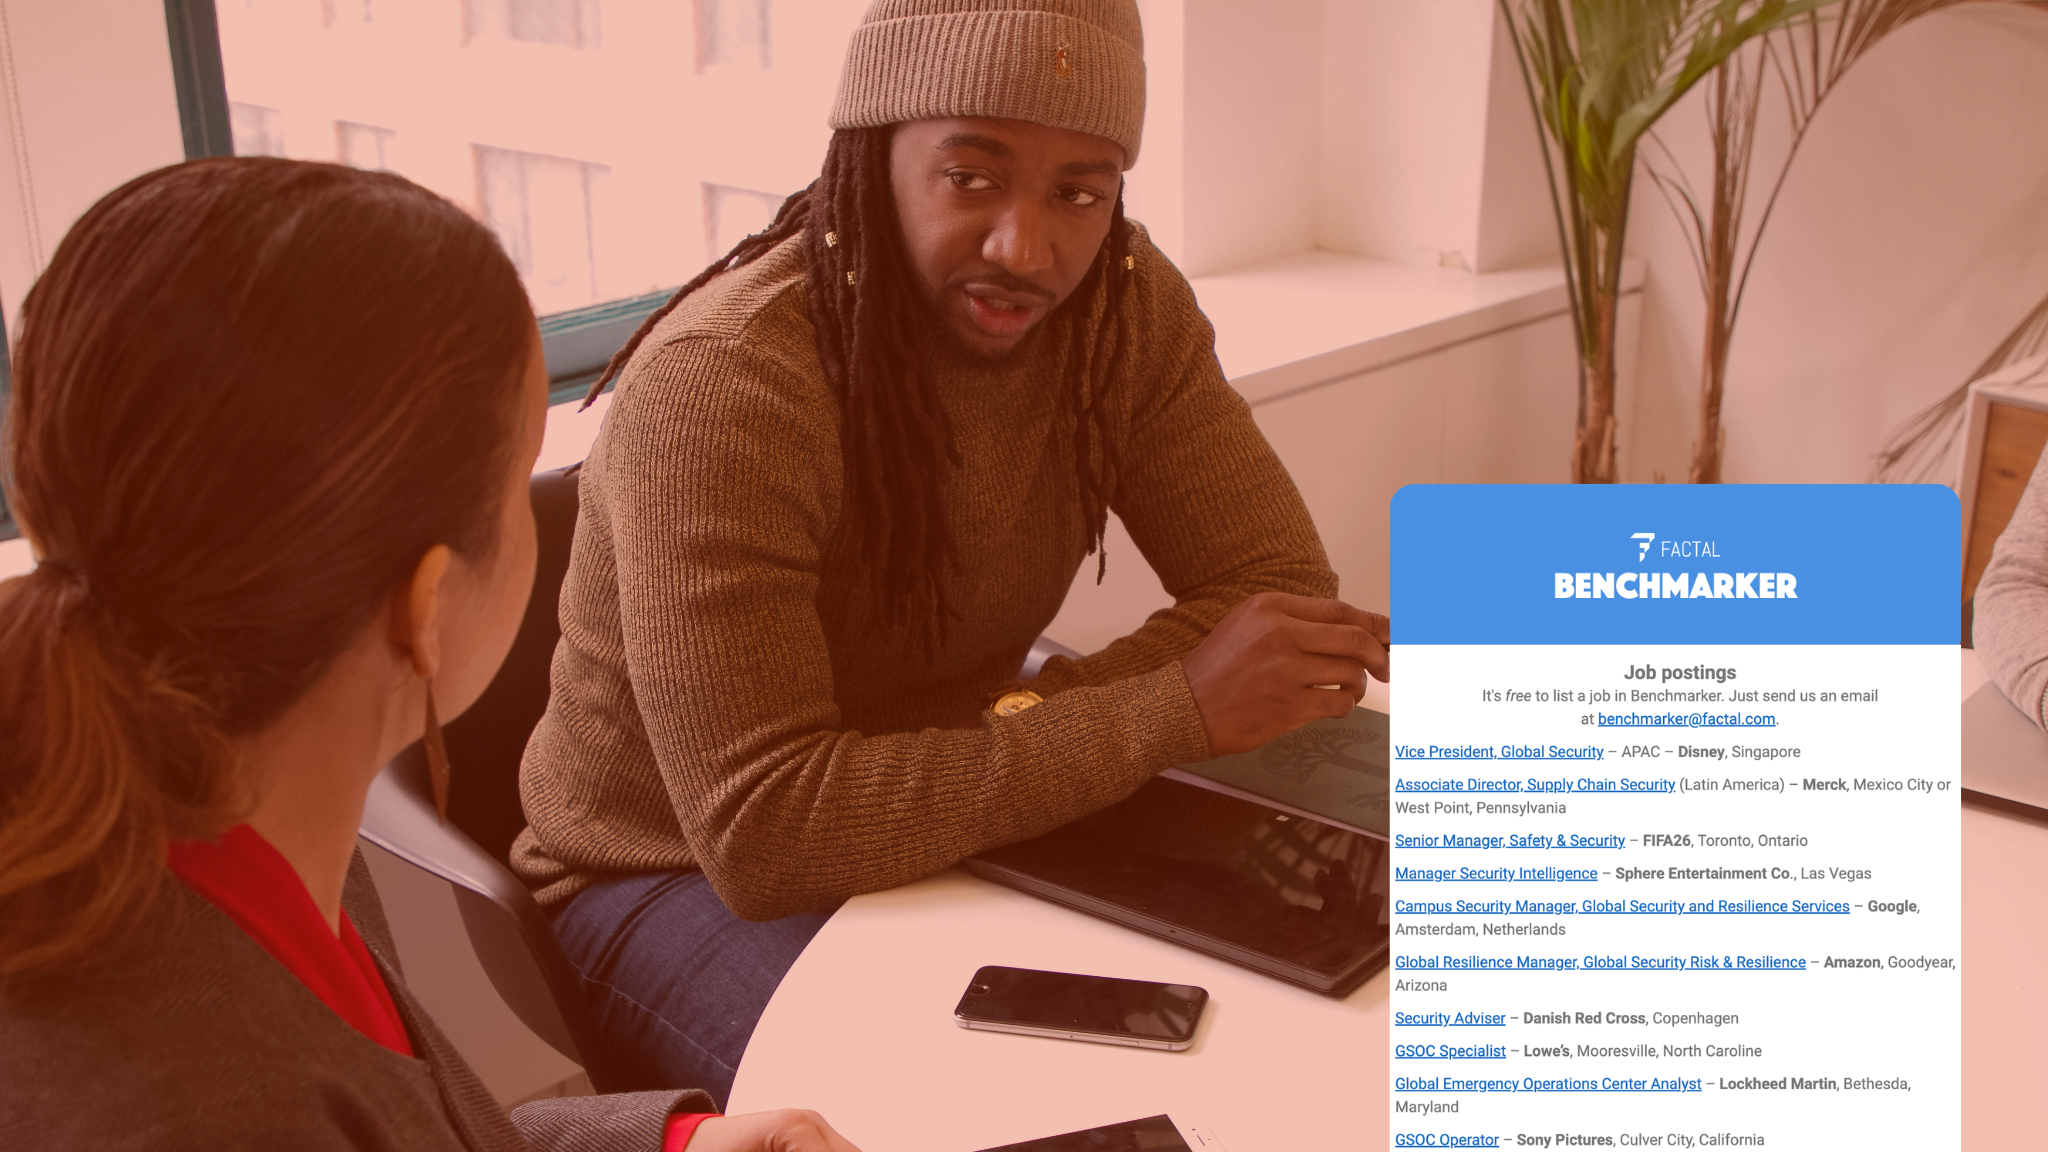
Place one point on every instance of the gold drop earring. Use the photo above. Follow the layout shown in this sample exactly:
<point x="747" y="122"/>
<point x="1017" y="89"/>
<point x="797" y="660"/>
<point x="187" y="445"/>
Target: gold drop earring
<point x="437" y="756"/>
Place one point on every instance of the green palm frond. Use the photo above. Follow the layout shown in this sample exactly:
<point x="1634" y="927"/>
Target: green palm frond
<point x="1808" y="52"/>
<point x="1599" y="75"/>
<point x="1603" y="71"/>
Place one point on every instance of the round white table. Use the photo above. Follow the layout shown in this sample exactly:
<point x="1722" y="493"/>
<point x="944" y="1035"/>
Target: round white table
<point x="2005" y="970"/>
<point x="862" y="1031"/>
<point x="2005" y="980"/>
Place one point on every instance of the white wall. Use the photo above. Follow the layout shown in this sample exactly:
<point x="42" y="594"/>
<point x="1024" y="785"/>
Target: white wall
<point x="1369" y="127"/>
<point x="1252" y="92"/>
<point x="1517" y="225"/>
<point x="1428" y="150"/>
<point x="1912" y="236"/>
<point x="1154" y="190"/>
<point x="1403" y="135"/>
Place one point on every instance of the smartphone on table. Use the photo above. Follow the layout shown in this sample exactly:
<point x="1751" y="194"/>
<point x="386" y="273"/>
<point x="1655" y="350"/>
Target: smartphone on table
<point x="1163" y="1133"/>
<point x="1094" y="1009"/>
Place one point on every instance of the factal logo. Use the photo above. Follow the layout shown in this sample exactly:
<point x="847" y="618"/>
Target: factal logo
<point x="1643" y="549"/>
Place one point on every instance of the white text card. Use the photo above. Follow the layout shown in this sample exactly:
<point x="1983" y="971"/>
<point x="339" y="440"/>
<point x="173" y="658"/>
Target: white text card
<point x="1675" y="817"/>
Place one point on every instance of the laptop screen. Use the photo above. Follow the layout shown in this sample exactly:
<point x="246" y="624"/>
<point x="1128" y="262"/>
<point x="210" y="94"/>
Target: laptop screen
<point x="1307" y="894"/>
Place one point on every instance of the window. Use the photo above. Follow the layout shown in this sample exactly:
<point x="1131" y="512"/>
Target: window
<point x="615" y="157"/>
<point x="543" y="208"/>
<point x="732" y="33"/>
<point x="733" y="214"/>
<point x="570" y="23"/>
<point x="259" y="131"/>
<point x="362" y="146"/>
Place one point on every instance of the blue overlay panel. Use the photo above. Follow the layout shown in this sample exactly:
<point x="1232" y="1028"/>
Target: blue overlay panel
<point x="1676" y="564"/>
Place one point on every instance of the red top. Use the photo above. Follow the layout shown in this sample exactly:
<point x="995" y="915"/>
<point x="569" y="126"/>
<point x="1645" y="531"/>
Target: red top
<point x="243" y="876"/>
<point x="680" y="1127"/>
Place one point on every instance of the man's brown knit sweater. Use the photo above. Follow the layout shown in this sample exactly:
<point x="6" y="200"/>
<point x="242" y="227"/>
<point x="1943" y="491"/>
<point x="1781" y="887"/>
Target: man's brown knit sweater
<point x="721" y="696"/>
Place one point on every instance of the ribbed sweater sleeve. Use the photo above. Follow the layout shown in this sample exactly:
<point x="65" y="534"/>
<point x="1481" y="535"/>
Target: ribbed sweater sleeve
<point x="2010" y="617"/>
<point x="1208" y="504"/>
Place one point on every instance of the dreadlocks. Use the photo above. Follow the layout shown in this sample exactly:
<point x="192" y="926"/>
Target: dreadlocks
<point x="866" y="308"/>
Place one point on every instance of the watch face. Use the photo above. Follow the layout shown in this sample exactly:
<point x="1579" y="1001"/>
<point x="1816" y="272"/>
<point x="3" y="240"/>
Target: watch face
<point x="1015" y="702"/>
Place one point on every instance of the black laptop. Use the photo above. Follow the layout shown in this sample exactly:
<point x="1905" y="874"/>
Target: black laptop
<point x="1270" y="887"/>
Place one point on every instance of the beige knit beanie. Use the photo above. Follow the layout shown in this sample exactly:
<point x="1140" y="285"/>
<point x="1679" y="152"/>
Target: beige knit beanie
<point x="1074" y="64"/>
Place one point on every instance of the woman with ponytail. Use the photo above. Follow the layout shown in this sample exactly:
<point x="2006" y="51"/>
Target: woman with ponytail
<point x="270" y="432"/>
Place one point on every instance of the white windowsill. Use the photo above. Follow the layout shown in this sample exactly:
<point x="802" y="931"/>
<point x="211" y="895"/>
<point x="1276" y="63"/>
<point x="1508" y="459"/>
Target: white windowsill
<point x="1283" y="327"/>
<point x="1294" y="324"/>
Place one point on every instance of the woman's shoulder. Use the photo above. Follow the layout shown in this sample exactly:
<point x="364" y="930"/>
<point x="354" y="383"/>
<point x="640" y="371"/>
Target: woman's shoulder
<point x="195" y="1037"/>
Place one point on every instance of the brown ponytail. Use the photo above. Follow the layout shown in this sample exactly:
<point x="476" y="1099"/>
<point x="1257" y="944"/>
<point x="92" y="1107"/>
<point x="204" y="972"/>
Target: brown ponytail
<point x="248" y="394"/>
<point x="84" y="836"/>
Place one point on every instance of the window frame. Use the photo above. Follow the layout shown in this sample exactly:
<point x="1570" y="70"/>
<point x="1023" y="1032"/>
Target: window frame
<point x="580" y="342"/>
<point x="8" y="529"/>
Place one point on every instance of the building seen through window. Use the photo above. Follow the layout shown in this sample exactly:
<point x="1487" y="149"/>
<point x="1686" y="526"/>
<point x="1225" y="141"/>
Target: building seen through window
<point x="353" y="10"/>
<point x="617" y="146"/>
<point x="733" y="214"/>
<point x="259" y="131"/>
<point x="570" y="23"/>
<point x="361" y="145"/>
<point x="733" y="33"/>
<point x="544" y="210"/>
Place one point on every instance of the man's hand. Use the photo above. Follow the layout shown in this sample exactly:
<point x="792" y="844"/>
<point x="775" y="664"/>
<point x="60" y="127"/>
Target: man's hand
<point x="789" y="1130"/>
<point x="1277" y="662"/>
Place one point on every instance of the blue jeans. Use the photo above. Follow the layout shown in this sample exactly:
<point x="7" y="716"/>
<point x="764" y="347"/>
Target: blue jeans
<point x="675" y="982"/>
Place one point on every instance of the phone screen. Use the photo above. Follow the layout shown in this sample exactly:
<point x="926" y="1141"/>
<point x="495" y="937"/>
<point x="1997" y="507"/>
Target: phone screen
<point x="1083" y="1003"/>
<point x="1152" y="1134"/>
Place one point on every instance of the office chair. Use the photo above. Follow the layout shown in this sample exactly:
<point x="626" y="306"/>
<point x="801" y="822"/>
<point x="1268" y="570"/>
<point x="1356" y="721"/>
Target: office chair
<point x="512" y="937"/>
<point x="1041" y="650"/>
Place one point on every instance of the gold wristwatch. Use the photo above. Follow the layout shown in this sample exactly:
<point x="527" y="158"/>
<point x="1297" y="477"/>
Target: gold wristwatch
<point x="1012" y="698"/>
<point x="1011" y="703"/>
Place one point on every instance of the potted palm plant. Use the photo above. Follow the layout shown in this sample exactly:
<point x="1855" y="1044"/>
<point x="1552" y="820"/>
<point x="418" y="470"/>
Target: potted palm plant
<point x="1599" y="74"/>
<point x="1807" y="54"/>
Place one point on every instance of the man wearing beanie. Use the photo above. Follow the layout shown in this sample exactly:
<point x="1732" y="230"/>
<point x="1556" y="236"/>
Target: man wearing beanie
<point x="848" y="476"/>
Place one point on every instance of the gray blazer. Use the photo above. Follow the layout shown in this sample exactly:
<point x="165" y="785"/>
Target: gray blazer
<point x="200" y="1039"/>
